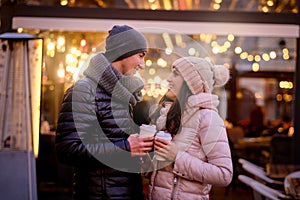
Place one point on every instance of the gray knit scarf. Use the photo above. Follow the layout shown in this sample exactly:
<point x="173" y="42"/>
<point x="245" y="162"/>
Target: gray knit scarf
<point x="119" y="86"/>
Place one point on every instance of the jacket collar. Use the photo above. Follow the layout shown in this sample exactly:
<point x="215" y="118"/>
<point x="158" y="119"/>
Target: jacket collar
<point x="101" y="71"/>
<point x="199" y="101"/>
<point x="203" y="101"/>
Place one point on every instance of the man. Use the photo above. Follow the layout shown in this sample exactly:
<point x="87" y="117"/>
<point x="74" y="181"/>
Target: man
<point x="95" y="131"/>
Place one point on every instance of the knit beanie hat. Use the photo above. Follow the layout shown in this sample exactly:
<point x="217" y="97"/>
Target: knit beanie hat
<point x="201" y="75"/>
<point x="122" y="42"/>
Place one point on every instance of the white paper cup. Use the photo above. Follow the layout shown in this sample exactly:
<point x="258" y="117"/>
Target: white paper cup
<point x="147" y="130"/>
<point x="163" y="135"/>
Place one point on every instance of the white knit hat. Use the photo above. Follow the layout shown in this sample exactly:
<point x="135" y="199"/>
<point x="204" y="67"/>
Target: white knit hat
<point x="201" y="75"/>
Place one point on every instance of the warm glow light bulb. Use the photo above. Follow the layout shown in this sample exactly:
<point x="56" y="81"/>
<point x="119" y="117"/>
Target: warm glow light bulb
<point x="266" y="57"/>
<point x="230" y="37"/>
<point x="60" y="40"/>
<point x="285" y="50"/>
<point x="192" y="51"/>
<point x="64" y="2"/>
<point x="83" y="42"/>
<point x="223" y="49"/>
<point x="202" y="37"/>
<point x="279" y="97"/>
<point x="286" y="56"/>
<point x="239" y="95"/>
<point x="20" y="30"/>
<point x="272" y="54"/>
<point x="227" y="44"/>
<point x="250" y="58"/>
<point x="270" y="3"/>
<point x="238" y="50"/>
<point x="265" y="9"/>
<point x="168" y="51"/>
<point x="148" y="62"/>
<point x="160" y="62"/>
<point x="257" y="58"/>
<point x="216" y="6"/>
<point x="152" y="71"/>
<point x="255" y="67"/>
<point x="244" y="55"/>
<point x="157" y="79"/>
<point x="61" y="71"/>
<point x="164" y="64"/>
<point x="215" y="50"/>
<point x="213" y="44"/>
<point x="73" y="50"/>
<point x="150" y="81"/>
<point x="60" y="44"/>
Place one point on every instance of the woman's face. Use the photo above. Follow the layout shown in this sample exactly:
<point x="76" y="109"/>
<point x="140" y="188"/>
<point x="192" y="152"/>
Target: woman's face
<point x="175" y="83"/>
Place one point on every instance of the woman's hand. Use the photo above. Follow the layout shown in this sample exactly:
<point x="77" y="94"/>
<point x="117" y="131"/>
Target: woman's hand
<point x="166" y="149"/>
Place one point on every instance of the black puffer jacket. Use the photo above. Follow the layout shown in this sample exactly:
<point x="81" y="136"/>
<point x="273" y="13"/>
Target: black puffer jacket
<point x="93" y="126"/>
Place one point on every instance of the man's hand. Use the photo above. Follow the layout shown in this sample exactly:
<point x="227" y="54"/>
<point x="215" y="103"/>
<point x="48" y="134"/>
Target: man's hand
<point x="140" y="146"/>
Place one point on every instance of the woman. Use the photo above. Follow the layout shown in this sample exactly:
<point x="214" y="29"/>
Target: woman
<point x="198" y="155"/>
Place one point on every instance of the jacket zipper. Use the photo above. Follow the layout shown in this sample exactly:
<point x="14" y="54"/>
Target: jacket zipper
<point x="104" y="196"/>
<point x="174" y="186"/>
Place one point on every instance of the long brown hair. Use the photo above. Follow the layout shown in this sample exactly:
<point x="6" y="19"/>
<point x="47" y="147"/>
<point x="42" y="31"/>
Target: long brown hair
<point x="173" y="122"/>
<point x="156" y="111"/>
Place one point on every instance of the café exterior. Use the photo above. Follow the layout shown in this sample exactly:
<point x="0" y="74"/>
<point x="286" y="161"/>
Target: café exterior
<point x="243" y="36"/>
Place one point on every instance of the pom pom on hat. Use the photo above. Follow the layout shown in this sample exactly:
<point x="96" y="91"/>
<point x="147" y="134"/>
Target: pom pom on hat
<point x="201" y="75"/>
<point x="124" y="41"/>
<point x="221" y="75"/>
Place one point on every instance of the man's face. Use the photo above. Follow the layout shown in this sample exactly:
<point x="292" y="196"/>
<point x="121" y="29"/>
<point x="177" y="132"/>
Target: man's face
<point x="133" y="63"/>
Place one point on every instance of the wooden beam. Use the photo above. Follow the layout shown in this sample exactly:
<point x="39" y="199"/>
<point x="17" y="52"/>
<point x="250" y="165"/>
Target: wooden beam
<point x="161" y="15"/>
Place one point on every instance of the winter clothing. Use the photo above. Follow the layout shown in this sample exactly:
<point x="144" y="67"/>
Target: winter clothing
<point x="204" y="157"/>
<point x="124" y="41"/>
<point x="201" y="75"/>
<point x="93" y="126"/>
<point x="203" y="154"/>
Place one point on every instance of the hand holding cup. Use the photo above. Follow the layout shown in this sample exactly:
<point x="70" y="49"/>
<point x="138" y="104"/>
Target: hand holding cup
<point x="147" y="130"/>
<point x="142" y="143"/>
<point x="162" y="140"/>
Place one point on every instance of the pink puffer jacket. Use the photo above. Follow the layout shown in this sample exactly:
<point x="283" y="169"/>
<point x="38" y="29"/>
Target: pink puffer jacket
<point x="204" y="158"/>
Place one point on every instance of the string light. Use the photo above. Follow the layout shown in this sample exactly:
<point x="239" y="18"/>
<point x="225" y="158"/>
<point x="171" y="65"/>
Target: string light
<point x="192" y="51"/>
<point x="61" y="42"/>
<point x="250" y="58"/>
<point x="76" y="56"/>
<point x="255" y="67"/>
<point x="168" y="51"/>
<point x="50" y="51"/>
<point x="61" y="72"/>
<point x="273" y="54"/>
<point x="64" y="2"/>
<point x="266" y="56"/>
<point x="238" y="50"/>
<point x="148" y="62"/>
<point x="168" y="40"/>
<point x="20" y="30"/>
<point x="217" y="48"/>
<point x="286" y="85"/>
